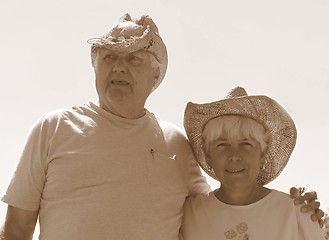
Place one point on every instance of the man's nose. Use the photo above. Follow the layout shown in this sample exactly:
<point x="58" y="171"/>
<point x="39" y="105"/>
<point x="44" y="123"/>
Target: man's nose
<point x="119" y="66"/>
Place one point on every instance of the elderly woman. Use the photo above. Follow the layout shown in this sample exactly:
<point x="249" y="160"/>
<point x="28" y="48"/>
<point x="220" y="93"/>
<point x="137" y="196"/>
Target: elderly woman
<point x="244" y="142"/>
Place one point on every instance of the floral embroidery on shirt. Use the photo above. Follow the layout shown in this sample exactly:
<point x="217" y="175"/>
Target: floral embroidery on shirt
<point x="240" y="232"/>
<point x="230" y="234"/>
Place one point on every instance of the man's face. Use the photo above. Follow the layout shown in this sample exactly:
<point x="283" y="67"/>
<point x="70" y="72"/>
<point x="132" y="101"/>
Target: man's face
<point x="123" y="79"/>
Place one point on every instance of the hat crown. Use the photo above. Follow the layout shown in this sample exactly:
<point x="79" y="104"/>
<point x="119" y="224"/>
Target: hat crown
<point x="133" y="34"/>
<point x="237" y="92"/>
<point x="128" y="29"/>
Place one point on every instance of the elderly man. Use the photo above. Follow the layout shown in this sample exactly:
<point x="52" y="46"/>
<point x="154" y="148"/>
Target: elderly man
<point x="111" y="169"/>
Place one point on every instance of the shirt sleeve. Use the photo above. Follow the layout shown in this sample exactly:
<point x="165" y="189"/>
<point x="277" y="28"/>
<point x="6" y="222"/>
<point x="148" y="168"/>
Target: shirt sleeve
<point x="26" y="186"/>
<point x="307" y="229"/>
<point x="197" y="182"/>
<point x="177" y="140"/>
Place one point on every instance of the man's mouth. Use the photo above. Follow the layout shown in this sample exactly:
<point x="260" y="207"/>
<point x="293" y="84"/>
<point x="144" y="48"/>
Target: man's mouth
<point x="120" y="82"/>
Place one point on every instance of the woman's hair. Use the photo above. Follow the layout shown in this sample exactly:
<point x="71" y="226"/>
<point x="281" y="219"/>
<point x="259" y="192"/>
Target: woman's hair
<point x="235" y="125"/>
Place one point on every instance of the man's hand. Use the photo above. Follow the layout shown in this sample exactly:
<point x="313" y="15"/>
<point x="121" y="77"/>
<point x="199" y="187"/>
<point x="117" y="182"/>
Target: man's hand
<point x="309" y="201"/>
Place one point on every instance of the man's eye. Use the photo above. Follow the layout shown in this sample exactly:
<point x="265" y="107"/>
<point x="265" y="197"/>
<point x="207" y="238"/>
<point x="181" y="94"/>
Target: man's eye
<point x="134" y="59"/>
<point x="110" y="57"/>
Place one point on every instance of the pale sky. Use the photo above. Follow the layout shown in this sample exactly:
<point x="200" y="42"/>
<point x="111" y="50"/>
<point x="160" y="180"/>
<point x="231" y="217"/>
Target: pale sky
<point x="276" y="48"/>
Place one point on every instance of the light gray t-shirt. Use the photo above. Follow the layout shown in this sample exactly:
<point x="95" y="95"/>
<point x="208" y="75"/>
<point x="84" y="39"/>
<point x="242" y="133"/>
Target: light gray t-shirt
<point x="94" y="175"/>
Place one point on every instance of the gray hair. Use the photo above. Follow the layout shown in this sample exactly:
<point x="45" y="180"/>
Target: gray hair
<point x="236" y="125"/>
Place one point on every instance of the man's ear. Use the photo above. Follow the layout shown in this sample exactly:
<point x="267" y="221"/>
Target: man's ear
<point x="94" y="55"/>
<point x="157" y="73"/>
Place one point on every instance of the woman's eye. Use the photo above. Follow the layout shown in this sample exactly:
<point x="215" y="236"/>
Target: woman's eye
<point x="222" y="145"/>
<point x="247" y="144"/>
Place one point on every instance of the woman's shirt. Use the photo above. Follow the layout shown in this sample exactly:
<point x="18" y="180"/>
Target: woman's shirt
<point x="273" y="217"/>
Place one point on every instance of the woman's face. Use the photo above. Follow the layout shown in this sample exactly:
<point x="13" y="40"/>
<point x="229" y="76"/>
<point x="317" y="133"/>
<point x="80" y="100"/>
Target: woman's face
<point x="236" y="161"/>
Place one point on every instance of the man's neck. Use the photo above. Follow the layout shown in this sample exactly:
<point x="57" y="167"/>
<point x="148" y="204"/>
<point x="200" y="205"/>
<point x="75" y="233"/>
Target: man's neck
<point x="127" y="111"/>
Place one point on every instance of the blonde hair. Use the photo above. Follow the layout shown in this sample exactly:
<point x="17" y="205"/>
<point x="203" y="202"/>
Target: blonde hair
<point x="235" y="125"/>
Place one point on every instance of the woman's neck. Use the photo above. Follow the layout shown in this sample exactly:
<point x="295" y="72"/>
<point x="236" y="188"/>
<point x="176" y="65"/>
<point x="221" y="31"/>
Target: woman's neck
<point x="244" y="196"/>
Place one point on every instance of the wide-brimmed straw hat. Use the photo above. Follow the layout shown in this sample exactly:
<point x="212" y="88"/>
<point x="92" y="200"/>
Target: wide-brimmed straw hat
<point x="260" y="108"/>
<point x="131" y="35"/>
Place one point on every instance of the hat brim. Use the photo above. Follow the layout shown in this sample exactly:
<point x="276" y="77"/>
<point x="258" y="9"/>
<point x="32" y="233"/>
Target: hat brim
<point x="260" y="108"/>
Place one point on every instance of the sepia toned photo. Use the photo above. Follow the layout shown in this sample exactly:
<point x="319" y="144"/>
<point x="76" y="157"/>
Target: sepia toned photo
<point x="166" y="120"/>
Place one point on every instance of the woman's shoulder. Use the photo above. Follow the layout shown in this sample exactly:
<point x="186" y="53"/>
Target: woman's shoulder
<point x="280" y="194"/>
<point x="281" y="198"/>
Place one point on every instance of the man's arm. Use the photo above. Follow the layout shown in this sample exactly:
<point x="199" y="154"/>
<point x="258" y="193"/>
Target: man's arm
<point x="309" y="200"/>
<point x="19" y="224"/>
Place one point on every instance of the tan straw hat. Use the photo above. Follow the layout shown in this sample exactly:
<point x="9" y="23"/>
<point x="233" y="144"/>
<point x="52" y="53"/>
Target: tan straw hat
<point x="131" y="35"/>
<point x="260" y="108"/>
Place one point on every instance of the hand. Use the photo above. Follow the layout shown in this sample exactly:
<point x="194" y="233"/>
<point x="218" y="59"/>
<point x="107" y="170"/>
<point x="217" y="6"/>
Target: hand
<point x="309" y="201"/>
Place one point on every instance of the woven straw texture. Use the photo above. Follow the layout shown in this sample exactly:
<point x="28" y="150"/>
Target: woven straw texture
<point x="260" y="108"/>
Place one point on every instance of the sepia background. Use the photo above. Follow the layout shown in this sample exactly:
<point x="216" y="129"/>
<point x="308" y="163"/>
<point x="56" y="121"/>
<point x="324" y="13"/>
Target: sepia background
<point x="276" y="48"/>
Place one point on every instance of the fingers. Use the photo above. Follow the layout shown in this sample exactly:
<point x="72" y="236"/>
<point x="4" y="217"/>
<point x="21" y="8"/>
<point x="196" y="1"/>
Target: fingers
<point x="308" y="200"/>
<point x="321" y="223"/>
<point x="294" y="192"/>
<point x="318" y="216"/>
<point x="307" y="197"/>
<point x="302" y="195"/>
<point x="309" y="207"/>
<point x="310" y="196"/>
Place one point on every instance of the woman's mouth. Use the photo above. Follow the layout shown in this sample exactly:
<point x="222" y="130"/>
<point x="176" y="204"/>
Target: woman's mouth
<point x="235" y="171"/>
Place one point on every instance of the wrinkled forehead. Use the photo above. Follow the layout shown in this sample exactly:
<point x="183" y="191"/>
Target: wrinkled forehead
<point x="146" y="56"/>
<point x="109" y="50"/>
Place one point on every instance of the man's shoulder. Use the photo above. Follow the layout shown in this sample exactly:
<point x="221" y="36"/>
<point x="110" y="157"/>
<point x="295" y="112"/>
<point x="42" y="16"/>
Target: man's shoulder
<point x="66" y="112"/>
<point x="198" y="203"/>
<point x="169" y="127"/>
<point x="53" y="118"/>
<point x="172" y="131"/>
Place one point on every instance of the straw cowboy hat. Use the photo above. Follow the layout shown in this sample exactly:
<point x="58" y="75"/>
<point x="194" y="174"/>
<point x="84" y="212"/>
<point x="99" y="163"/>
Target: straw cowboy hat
<point x="260" y="108"/>
<point x="131" y="35"/>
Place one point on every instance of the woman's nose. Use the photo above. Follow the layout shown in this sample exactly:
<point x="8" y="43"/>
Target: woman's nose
<point x="235" y="158"/>
<point x="235" y="155"/>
